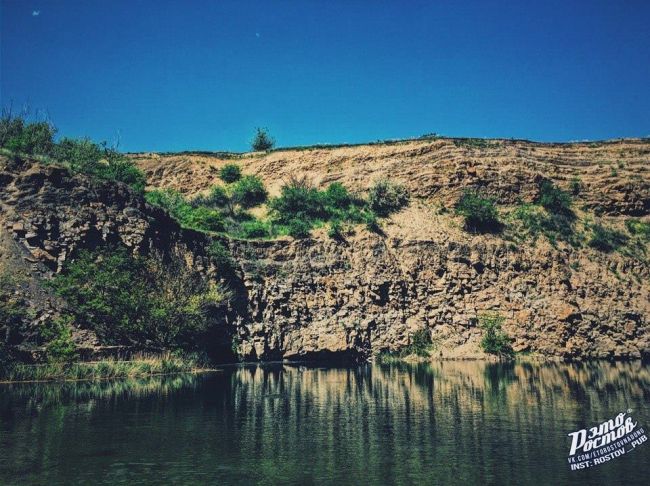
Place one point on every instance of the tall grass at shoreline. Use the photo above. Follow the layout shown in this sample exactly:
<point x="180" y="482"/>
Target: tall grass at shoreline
<point x="139" y="366"/>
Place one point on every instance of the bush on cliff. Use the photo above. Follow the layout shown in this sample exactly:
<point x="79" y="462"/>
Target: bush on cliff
<point x="218" y="197"/>
<point x="139" y="301"/>
<point x="494" y="340"/>
<point x="385" y="197"/>
<point x="533" y="221"/>
<point x="84" y="156"/>
<point x="99" y="160"/>
<point x="254" y="229"/>
<point x="420" y="344"/>
<point x="606" y="239"/>
<point x="200" y="217"/>
<point x="57" y="335"/>
<point x="221" y="257"/>
<point x="554" y="199"/>
<point x="14" y="314"/>
<point x="301" y="206"/>
<point x="298" y="200"/>
<point x="638" y="228"/>
<point x="21" y="136"/>
<point x="230" y="173"/>
<point x="249" y="192"/>
<point x="480" y="213"/>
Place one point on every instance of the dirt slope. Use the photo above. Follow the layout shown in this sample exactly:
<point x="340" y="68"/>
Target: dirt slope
<point x="615" y="175"/>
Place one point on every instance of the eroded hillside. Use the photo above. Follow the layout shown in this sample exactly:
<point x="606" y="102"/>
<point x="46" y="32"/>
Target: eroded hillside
<point x="615" y="176"/>
<point x="372" y="291"/>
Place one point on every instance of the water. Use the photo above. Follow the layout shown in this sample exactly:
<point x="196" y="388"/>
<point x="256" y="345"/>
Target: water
<point x="442" y="423"/>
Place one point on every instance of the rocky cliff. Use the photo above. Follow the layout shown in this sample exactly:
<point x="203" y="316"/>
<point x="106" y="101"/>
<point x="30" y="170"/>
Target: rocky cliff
<point x="370" y="292"/>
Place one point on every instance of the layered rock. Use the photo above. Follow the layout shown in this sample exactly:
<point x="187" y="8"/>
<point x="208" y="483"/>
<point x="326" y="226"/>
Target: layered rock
<point x="321" y="297"/>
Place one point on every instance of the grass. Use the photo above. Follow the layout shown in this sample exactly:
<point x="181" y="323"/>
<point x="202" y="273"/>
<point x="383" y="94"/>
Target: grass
<point x="420" y="346"/>
<point x="531" y="221"/>
<point x="139" y="367"/>
<point x="37" y="395"/>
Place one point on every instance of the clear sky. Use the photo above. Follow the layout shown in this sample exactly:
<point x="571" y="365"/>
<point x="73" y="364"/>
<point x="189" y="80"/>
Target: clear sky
<point x="193" y="74"/>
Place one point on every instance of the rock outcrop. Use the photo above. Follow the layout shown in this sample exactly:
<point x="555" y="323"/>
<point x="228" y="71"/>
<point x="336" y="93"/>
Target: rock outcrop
<point x="366" y="293"/>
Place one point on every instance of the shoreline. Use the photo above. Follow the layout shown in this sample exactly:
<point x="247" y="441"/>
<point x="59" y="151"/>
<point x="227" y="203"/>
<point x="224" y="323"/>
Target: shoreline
<point x="139" y="368"/>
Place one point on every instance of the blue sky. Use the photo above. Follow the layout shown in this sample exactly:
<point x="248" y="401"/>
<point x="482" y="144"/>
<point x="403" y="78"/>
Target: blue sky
<point x="179" y="75"/>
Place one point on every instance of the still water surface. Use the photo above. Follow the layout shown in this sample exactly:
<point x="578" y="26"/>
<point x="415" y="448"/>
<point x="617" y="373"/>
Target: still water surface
<point x="441" y="423"/>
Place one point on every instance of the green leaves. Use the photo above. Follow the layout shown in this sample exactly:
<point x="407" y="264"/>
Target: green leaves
<point x="554" y="199"/>
<point x="386" y="197"/>
<point x="20" y="136"/>
<point x="480" y="213"/>
<point x="230" y="173"/>
<point x="84" y="156"/>
<point x="494" y="340"/>
<point x="249" y="192"/>
<point x="201" y="218"/>
<point x="262" y="140"/>
<point x="606" y="239"/>
<point x="131" y="300"/>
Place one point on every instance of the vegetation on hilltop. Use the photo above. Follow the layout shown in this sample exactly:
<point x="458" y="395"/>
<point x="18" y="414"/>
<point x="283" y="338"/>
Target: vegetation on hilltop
<point x="36" y="138"/>
<point x="262" y="141"/>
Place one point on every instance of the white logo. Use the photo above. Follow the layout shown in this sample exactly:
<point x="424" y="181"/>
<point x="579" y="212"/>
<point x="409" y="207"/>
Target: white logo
<point x="605" y="441"/>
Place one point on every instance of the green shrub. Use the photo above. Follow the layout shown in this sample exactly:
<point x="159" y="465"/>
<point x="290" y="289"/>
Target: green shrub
<point x="100" y="161"/>
<point x="475" y="143"/>
<point x="301" y="206"/>
<point x="420" y="344"/>
<point x="217" y="198"/>
<point x="57" y="334"/>
<point x="249" y="192"/>
<point x="254" y="229"/>
<point x="262" y="140"/>
<point x="21" y="136"/>
<point x="84" y="156"/>
<point x="298" y="200"/>
<point x="221" y="257"/>
<point x="335" y="230"/>
<point x="554" y="199"/>
<point x="385" y="197"/>
<point x="336" y="196"/>
<point x="169" y="199"/>
<point x="372" y="223"/>
<point x="480" y="213"/>
<point x="299" y="228"/>
<point x="576" y="186"/>
<point x="606" y="239"/>
<point x="203" y="219"/>
<point x="230" y="173"/>
<point x="638" y="228"/>
<point x="536" y="221"/>
<point x="131" y="300"/>
<point x="494" y="340"/>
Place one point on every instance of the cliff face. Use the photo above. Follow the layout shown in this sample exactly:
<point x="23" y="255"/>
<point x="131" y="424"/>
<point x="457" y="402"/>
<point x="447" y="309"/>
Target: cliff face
<point x="370" y="292"/>
<point x="614" y="176"/>
<point x="373" y="293"/>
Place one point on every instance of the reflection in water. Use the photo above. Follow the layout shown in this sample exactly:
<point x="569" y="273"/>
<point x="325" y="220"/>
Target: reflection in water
<point x="434" y="423"/>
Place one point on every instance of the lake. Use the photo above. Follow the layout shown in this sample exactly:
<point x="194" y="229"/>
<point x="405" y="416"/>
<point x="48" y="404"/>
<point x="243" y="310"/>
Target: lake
<point x="448" y="422"/>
